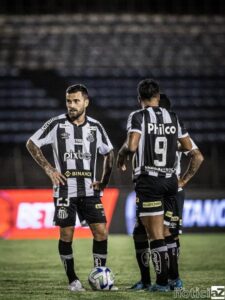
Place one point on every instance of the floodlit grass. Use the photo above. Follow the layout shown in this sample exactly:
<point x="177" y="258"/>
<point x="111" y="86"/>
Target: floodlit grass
<point x="33" y="270"/>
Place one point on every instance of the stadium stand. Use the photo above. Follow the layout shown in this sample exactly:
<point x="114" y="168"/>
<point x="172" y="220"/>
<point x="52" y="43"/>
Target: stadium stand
<point x="110" y="53"/>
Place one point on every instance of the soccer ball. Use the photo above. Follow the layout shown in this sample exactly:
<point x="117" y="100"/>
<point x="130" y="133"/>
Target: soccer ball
<point x="101" y="278"/>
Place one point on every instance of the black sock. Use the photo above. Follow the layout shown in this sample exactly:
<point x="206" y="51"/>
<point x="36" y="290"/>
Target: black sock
<point x="66" y="255"/>
<point x="99" y="253"/>
<point x="159" y="256"/>
<point x="173" y="258"/>
<point x="143" y="256"/>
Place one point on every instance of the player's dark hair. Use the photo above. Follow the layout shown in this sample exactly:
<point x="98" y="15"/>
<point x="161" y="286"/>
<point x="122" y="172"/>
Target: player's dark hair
<point x="147" y="89"/>
<point x="164" y="102"/>
<point x="77" y="88"/>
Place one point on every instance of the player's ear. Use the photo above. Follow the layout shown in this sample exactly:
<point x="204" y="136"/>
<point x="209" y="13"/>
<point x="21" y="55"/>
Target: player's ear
<point x="86" y="102"/>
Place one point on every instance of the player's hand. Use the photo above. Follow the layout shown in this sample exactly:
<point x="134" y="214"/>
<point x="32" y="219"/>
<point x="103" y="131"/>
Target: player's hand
<point x="121" y="161"/>
<point x="56" y="177"/>
<point x="98" y="185"/>
<point x="181" y="183"/>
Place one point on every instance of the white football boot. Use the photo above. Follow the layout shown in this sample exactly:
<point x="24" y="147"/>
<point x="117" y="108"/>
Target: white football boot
<point x="76" y="286"/>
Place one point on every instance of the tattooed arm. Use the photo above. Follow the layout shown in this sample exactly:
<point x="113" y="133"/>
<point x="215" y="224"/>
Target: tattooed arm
<point x="55" y="176"/>
<point x="196" y="159"/>
<point x="107" y="170"/>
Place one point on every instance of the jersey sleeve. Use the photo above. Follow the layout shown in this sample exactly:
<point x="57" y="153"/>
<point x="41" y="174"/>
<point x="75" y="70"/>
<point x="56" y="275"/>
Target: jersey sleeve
<point x="182" y="131"/>
<point x="103" y="143"/>
<point x="45" y="135"/>
<point x="134" y="122"/>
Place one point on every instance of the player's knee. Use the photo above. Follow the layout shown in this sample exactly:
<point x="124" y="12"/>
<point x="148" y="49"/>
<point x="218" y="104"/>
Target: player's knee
<point x="66" y="234"/>
<point x="166" y="231"/>
<point x="156" y="233"/>
<point x="100" y="232"/>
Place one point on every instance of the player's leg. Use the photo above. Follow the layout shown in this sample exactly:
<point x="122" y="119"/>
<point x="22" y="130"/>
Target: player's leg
<point x="150" y="210"/>
<point x="171" y="216"/>
<point x="65" y="217"/>
<point x="93" y="212"/>
<point x="180" y="205"/>
<point x="142" y="250"/>
<point x="154" y="227"/>
<point x="100" y="243"/>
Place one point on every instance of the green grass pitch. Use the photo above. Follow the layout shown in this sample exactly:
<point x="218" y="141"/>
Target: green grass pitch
<point x="33" y="270"/>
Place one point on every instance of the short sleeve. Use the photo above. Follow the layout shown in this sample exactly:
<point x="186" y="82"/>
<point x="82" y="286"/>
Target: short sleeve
<point x="45" y="135"/>
<point x="182" y="131"/>
<point x="134" y="122"/>
<point x="103" y="143"/>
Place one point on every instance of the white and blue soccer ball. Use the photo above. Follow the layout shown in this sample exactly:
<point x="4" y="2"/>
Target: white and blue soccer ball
<point x="101" y="279"/>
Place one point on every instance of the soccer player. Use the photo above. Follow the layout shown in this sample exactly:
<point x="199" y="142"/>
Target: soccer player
<point x="141" y="241"/>
<point x="153" y="133"/>
<point x="76" y="139"/>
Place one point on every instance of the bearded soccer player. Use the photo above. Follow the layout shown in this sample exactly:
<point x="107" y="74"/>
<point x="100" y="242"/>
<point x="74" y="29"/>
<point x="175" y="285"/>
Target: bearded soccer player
<point x="141" y="240"/>
<point x="153" y="133"/>
<point x="76" y="139"/>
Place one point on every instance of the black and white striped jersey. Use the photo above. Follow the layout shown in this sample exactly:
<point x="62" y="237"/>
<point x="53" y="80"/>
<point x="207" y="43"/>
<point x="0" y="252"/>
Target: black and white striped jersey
<point x="75" y="150"/>
<point x="160" y="130"/>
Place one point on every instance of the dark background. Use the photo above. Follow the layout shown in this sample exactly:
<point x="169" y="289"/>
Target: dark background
<point x="110" y="46"/>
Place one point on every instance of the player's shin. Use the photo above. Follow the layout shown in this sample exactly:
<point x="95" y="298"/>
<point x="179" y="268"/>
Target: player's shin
<point x="66" y="255"/>
<point x="143" y="257"/>
<point x="100" y="252"/>
<point x="159" y="256"/>
<point x="173" y="258"/>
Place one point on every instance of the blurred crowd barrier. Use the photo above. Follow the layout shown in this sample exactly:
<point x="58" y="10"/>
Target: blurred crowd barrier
<point x="28" y="213"/>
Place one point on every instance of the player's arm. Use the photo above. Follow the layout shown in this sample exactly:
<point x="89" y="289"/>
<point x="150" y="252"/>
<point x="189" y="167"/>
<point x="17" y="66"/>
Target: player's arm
<point x="196" y="159"/>
<point x="55" y="176"/>
<point x="129" y="148"/>
<point x="106" y="172"/>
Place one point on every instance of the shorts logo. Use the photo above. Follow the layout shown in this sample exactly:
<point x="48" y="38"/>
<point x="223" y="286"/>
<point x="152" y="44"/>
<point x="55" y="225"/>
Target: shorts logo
<point x="98" y="206"/>
<point x="151" y="204"/>
<point x="169" y="214"/>
<point x="217" y="292"/>
<point x="145" y="258"/>
<point x="156" y="261"/>
<point x="90" y="138"/>
<point x="62" y="213"/>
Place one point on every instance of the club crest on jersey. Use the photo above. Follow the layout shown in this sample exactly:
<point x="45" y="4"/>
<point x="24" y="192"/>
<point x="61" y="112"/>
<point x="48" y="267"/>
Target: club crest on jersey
<point x="161" y="129"/>
<point x="90" y="138"/>
<point x="62" y="213"/>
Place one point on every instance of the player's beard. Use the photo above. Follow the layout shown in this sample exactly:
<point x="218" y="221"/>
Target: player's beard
<point x="75" y="114"/>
